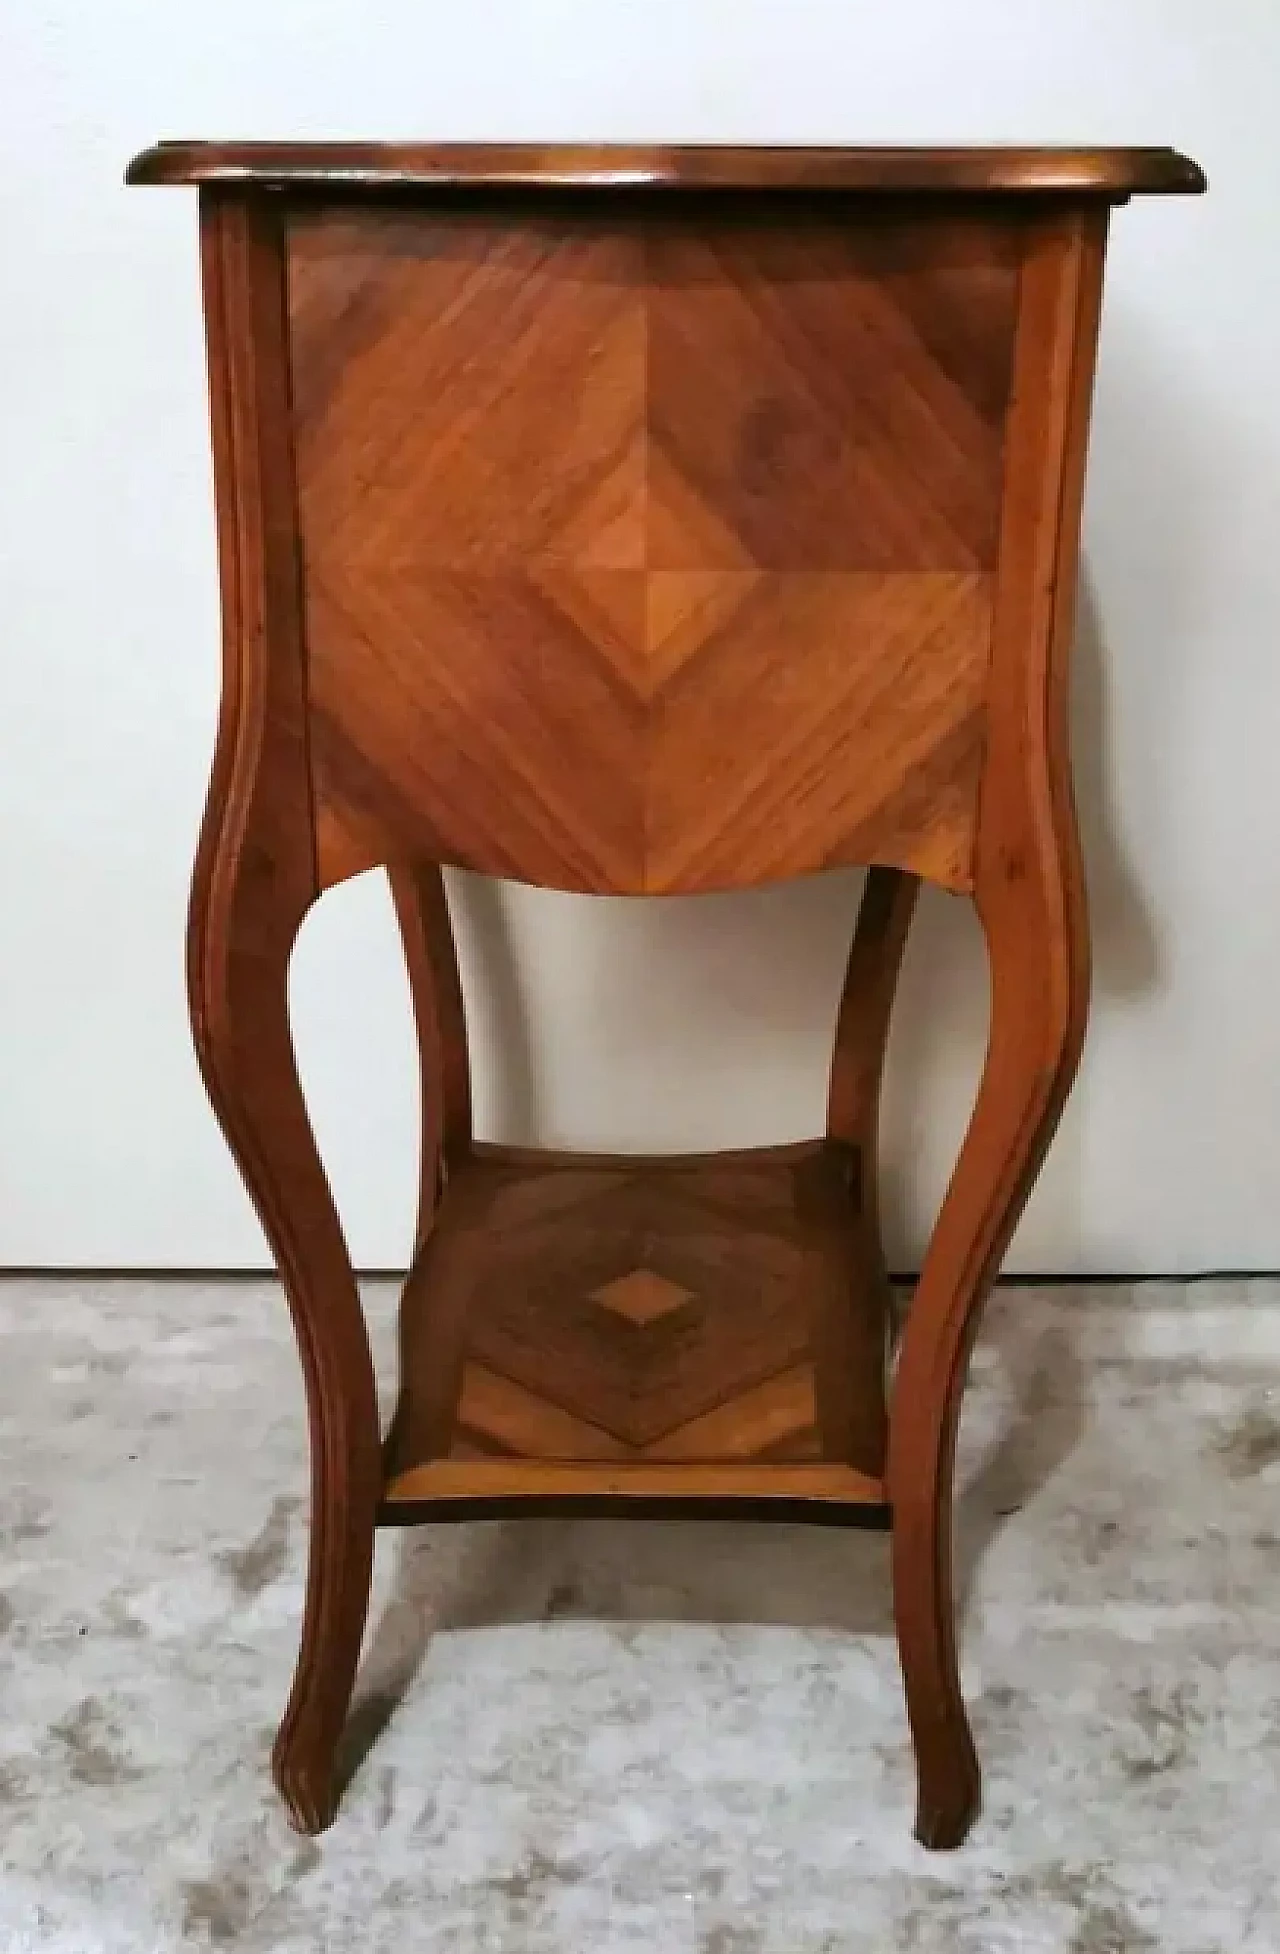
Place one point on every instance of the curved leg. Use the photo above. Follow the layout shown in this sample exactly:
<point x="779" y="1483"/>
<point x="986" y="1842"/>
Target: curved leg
<point x="862" y="1027"/>
<point x="426" y="934"/>
<point x="422" y="912"/>
<point x="856" y="1360"/>
<point x="241" y="937"/>
<point x="1036" y="1027"/>
<point x="1029" y="891"/>
<point x="255" y="878"/>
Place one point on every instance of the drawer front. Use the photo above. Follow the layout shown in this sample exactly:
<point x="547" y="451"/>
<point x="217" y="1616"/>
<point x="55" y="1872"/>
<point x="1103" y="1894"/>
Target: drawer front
<point x="650" y="552"/>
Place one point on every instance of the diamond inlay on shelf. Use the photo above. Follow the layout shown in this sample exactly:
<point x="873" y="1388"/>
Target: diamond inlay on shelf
<point x="642" y="1297"/>
<point x="712" y="1309"/>
<point x="620" y="541"/>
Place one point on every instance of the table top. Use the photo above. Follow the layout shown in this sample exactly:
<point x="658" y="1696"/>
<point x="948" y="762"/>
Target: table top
<point x="1110" y="173"/>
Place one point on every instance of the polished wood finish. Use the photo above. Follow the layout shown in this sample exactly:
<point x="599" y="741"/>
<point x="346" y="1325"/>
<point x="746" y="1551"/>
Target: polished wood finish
<point x="1029" y="893"/>
<point x="715" y="1489"/>
<point x="444" y="1073"/>
<point x="631" y="543"/>
<point x="861" y="1043"/>
<point x="255" y="879"/>
<point x="768" y="497"/>
<point x="333" y="167"/>
<point x="615" y="1309"/>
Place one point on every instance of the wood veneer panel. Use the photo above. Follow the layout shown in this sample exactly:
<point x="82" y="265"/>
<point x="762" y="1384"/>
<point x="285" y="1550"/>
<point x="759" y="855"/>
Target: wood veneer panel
<point x="645" y="1311"/>
<point x="699" y="492"/>
<point x="649" y="556"/>
<point x="446" y="1481"/>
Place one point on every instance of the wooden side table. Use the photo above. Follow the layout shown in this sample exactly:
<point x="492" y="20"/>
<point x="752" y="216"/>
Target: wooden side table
<point x="645" y="521"/>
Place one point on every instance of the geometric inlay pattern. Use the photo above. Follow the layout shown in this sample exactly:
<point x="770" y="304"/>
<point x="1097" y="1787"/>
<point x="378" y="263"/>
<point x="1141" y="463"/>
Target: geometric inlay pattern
<point x="706" y="1310"/>
<point x="641" y="1296"/>
<point x="650" y="556"/>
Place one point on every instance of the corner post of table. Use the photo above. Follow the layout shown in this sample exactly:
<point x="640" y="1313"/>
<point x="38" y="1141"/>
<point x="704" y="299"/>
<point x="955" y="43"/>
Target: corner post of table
<point x="444" y="1069"/>
<point x="1030" y="897"/>
<point x="862" y="1033"/>
<point x="255" y="879"/>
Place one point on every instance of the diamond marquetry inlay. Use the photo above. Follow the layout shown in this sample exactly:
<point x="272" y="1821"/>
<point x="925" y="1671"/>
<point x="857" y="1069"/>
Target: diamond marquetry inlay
<point x="651" y="556"/>
<point x="641" y="1311"/>
<point x="642" y="1297"/>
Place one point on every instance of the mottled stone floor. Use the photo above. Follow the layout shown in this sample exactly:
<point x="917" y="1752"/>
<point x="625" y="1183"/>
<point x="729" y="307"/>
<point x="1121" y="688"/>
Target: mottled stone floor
<point x="592" y="1739"/>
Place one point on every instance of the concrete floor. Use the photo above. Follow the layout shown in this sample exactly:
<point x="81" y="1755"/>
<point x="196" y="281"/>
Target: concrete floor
<point x="591" y="1738"/>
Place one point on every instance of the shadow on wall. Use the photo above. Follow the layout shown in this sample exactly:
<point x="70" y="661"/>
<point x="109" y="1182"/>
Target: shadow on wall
<point x="940" y="1025"/>
<point x="1124" y="940"/>
<point x="498" y="1019"/>
<point x="652" y="1025"/>
<point x="771" y="963"/>
<point x="703" y="1022"/>
<point x="707" y="1022"/>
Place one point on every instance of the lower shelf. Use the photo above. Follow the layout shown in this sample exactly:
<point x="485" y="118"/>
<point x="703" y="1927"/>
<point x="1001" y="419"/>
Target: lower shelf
<point x="457" y="1489"/>
<point x="702" y="1333"/>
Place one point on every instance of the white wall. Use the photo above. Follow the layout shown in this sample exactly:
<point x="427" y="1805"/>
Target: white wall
<point x="668" y="1023"/>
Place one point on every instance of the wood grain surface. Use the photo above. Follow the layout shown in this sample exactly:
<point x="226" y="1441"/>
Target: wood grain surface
<point x="1030" y="897"/>
<point x="255" y="879"/>
<point x="706" y="1310"/>
<point x="652" y="557"/>
<point x="442" y="1488"/>
<point x="335" y="166"/>
<point x="626" y="542"/>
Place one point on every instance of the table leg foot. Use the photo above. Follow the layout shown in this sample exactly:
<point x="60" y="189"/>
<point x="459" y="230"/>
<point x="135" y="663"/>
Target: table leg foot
<point x="949" y="1781"/>
<point x="248" y="903"/>
<point x="308" y="1788"/>
<point x="944" y="1818"/>
<point x="1034" y="929"/>
<point x="304" y="1761"/>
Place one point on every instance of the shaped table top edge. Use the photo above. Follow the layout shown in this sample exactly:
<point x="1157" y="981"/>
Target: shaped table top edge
<point x="1110" y="173"/>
